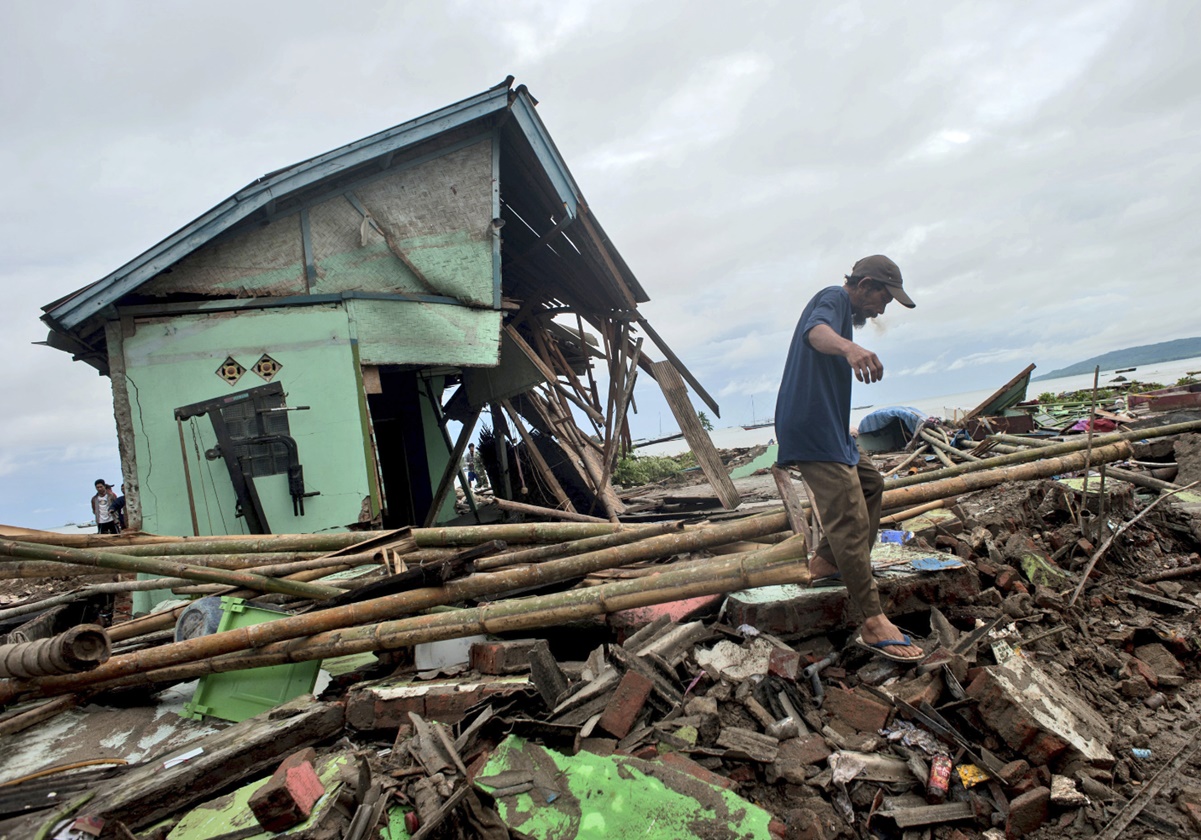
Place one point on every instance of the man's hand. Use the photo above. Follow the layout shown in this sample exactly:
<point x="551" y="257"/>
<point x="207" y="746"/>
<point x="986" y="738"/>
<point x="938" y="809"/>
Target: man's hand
<point x="865" y="363"/>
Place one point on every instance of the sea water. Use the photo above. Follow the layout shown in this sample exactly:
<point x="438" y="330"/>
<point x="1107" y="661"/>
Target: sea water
<point x="949" y="405"/>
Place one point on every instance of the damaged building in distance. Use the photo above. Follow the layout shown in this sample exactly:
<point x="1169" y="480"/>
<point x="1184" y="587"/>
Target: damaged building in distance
<point x="291" y="361"/>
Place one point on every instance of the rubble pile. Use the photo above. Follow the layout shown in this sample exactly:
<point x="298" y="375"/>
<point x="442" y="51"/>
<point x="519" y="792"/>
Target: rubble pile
<point x="675" y="679"/>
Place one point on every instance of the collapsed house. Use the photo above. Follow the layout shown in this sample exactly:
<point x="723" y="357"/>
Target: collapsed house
<point x="294" y="360"/>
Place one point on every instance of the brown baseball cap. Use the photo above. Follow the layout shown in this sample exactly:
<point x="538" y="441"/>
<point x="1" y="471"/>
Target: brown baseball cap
<point x="884" y="270"/>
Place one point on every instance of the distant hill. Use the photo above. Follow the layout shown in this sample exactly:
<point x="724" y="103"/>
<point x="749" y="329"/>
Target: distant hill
<point x="1165" y="351"/>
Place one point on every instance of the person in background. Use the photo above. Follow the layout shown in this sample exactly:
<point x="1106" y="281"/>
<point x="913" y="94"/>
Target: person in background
<point x="119" y="509"/>
<point x="103" y="508"/>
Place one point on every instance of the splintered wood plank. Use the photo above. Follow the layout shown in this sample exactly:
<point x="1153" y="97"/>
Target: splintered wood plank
<point x="254" y="746"/>
<point x="676" y="394"/>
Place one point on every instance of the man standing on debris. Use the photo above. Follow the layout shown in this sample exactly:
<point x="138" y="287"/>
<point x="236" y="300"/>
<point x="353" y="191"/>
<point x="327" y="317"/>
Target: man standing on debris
<point x="102" y="508"/>
<point x="813" y="415"/>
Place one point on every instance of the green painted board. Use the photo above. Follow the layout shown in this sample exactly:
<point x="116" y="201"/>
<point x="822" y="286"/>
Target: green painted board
<point x="761" y="463"/>
<point x="400" y="332"/>
<point x="593" y="797"/>
<point x="238" y="695"/>
<point x="230" y="813"/>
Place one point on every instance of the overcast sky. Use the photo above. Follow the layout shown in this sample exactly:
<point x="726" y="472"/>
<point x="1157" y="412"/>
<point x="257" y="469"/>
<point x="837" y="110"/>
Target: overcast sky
<point x="1034" y="169"/>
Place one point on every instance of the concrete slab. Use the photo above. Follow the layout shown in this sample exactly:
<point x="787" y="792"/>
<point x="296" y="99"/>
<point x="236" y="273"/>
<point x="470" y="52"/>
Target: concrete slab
<point x="1038" y="716"/>
<point x="799" y="610"/>
<point x="385" y="704"/>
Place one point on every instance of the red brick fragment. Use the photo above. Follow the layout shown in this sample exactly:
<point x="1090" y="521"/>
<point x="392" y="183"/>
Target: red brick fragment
<point x="1027" y="813"/>
<point x="499" y="658"/>
<point x="626" y="704"/>
<point x="290" y="794"/>
<point x="784" y="663"/>
<point x="856" y="709"/>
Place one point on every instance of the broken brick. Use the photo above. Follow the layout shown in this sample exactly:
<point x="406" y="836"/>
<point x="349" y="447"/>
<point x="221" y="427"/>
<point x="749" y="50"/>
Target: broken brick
<point x="506" y="657"/>
<point x="1014" y="772"/>
<point x="1159" y="660"/>
<point x="924" y="689"/>
<point x="856" y="709"/>
<point x="288" y="797"/>
<point x="784" y="663"/>
<point x="1027" y="812"/>
<point x="626" y="704"/>
<point x="1145" y="671"/>
<point x="796" y="754"/>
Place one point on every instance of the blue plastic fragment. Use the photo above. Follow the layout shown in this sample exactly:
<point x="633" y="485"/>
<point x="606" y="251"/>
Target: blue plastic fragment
<point x="936" y="564"/>
<point x="898" y="537"/>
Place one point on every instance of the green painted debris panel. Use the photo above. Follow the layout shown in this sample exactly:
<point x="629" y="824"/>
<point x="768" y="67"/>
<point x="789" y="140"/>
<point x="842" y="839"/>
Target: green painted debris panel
<point x="545" y="794"/>
<point x="238" y="695"/>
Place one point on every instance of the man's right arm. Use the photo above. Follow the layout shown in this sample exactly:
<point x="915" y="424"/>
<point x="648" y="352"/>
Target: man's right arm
<point x="865" y="363"/>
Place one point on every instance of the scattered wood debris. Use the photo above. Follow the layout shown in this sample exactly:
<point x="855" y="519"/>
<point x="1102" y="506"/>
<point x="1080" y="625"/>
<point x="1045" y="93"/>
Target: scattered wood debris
<point x="681" y="665"/>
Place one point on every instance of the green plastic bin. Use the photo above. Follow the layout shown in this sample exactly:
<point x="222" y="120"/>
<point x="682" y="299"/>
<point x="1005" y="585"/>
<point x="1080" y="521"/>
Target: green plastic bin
<point x="237" y="695"/>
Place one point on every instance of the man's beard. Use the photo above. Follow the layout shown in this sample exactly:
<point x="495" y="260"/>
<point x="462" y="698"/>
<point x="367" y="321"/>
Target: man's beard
<point x="858" y="321"/>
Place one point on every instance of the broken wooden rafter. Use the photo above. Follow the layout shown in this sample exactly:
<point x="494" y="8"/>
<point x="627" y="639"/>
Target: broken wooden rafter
<point x="702" y="446"/>
<point x="544" y="470"/>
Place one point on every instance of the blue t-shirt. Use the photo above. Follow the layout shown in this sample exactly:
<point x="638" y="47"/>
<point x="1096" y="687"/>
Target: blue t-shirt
<point x="813" y="409"/>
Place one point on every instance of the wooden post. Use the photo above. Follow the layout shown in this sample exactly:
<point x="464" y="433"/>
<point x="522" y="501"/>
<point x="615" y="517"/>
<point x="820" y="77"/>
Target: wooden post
<point x="698" y="439"/>
<point x="452" y="467"/>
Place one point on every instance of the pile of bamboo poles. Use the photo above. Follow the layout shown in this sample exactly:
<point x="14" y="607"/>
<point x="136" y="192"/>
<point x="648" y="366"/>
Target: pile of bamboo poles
<point x="509" y="561"/>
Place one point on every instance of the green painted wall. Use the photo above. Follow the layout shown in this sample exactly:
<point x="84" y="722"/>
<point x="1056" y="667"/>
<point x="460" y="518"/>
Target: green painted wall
<point x="402" y="332"/>
<point x="172" y="362"/>
<point x="438" y="213"/>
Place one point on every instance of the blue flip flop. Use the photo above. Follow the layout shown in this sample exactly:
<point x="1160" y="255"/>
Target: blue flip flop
<point x="880" y="648"/>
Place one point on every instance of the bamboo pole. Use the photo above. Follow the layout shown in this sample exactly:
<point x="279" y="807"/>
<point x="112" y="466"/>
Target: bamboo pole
<point x="913" y="456"/>
<point x="538" y="510"/>
<point x="162" y="568"/>
<point x="1045" y="452"/>
<point x="567" y="549"/>
<point x="416" y="600"/>
<point x="1018" y="440"/>
<point x="901" y="516"/>
<point x="268" y="563"/>
<point x="22" y="720"/>
<point x="1150" y="482"/>
<point x="956" y="485"/>
<point x="767" y="567"/>
<point x="946" y="447"/>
